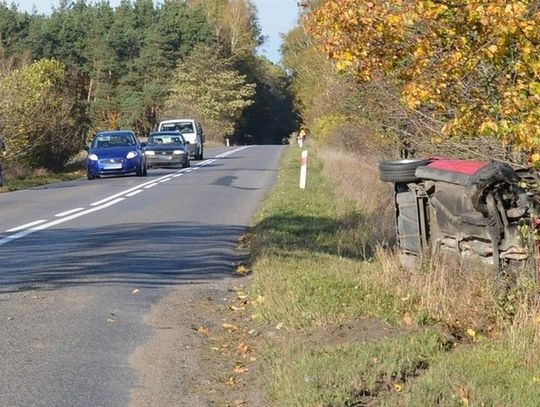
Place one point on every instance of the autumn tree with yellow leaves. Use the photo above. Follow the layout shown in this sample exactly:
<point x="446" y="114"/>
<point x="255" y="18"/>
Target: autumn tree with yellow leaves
<point x="468" y="69"/>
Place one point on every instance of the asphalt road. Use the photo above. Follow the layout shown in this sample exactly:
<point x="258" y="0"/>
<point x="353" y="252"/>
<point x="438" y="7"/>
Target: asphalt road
<point x="82" y="263"/>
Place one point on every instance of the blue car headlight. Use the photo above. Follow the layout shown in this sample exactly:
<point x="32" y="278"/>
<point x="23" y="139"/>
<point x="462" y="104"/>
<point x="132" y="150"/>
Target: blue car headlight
<point x="131" y="154"/>
<point x="92" y="157"/>
<point x="178" y="152"/>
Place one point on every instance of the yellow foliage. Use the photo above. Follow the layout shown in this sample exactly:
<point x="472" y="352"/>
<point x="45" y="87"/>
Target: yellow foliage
<point x="323" y="127"/>
<point x="473" y="68"/>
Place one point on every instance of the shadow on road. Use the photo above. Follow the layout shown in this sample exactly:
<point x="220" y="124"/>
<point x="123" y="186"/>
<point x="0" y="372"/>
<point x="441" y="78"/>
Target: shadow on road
<point x="145" y="255"/>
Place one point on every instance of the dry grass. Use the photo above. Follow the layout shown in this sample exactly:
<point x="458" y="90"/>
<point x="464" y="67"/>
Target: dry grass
<point x="467" y="299"/>
<point x="357" y="182"/>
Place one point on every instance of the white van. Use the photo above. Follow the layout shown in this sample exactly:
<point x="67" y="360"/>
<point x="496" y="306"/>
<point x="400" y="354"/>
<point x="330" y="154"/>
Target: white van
<point x="192" y="132"/>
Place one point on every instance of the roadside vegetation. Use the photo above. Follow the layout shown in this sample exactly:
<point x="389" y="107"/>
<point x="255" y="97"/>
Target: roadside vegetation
<point x="372" y="81"/>
<point x="355" y="327"/>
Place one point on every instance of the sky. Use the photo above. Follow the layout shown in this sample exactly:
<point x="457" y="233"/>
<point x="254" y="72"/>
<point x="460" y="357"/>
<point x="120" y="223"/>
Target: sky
<point x="276" y="17"/>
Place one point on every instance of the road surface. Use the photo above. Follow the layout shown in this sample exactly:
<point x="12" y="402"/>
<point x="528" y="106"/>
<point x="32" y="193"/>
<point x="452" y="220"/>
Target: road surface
<point x="83" y="262"/>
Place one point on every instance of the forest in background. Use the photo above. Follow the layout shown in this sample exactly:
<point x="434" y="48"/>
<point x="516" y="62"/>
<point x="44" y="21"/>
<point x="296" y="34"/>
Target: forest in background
<point x="89" y="66"/>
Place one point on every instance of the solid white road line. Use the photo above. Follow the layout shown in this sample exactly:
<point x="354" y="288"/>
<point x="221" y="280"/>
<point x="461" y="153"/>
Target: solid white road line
<point x="26" y="226"/>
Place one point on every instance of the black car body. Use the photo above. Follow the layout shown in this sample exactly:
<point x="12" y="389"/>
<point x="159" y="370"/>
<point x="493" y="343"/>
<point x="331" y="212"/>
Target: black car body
<point x="482" y="210"/>
<point x="166" y="148"/>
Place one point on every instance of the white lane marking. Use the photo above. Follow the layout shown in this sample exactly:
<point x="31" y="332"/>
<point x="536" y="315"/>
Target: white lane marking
<point x="29" y="228"/>
<point x="127" y="191"/>
<point x="134" y="193"/>
<point x="61" y="214"/>
<point x="26" y="226"/>
<point x="35" y="229"/>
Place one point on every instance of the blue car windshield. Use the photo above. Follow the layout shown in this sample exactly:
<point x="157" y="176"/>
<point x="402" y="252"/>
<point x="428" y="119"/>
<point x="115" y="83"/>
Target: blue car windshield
<point x="114" y="140"/>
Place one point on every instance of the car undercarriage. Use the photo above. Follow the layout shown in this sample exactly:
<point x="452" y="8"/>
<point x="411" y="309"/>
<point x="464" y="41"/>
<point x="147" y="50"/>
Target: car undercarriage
<point x="480" y="210"/>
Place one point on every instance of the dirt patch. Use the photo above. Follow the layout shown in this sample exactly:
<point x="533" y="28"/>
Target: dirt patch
<point x="204" y="352"/>
<point x="358" y="330"/>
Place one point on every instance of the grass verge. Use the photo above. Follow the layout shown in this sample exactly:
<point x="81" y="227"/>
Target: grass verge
<point x="356" y="329"/>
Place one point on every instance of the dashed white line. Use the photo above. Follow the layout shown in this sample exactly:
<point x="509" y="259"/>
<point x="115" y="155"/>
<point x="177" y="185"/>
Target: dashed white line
<point x="29" y="228"/>
<point x="61" y="214"/>
<point x="35" y="229"/>
<point x="134" y="193"/>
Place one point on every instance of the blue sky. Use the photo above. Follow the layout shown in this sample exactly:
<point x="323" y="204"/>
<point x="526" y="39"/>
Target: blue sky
<point x="275" y="16"/>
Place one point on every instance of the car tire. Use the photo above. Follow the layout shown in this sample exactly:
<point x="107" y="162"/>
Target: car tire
<point x="90" y="176"/>
<point x="200" y="156"/>
<point x="141" y="171"/>
<point x="400" y="170"/>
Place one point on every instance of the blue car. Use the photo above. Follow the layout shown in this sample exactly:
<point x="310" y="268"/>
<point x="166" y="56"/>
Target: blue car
<point x="115" y="153"/>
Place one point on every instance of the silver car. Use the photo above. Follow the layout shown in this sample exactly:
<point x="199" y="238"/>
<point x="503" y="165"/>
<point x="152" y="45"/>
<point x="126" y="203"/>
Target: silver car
<point x="166" y="148"/>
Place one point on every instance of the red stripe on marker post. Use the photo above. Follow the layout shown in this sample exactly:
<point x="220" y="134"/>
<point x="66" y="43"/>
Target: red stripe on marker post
<point x="303" y="169"/>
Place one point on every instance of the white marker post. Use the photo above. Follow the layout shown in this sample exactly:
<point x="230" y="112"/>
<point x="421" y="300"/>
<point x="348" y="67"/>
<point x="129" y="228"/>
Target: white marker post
<point x="303" y="169"/>
<point x="227" y="142"/>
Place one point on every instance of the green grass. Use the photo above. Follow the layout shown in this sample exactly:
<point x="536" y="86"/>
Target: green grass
<point x="493" y="373"/>
<point x="340" y="375"/>
<point x="314" y="268"/>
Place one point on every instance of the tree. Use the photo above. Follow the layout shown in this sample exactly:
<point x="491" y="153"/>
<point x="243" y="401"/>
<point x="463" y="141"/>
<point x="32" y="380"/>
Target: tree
<point x="463" y="69"/>
<point x="42" y="119"/>
<point x="208" y="87"/>
<point x="235" y="24"/>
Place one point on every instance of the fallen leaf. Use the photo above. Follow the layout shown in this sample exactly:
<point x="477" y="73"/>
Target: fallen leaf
<point x="471" y="332"/>
<point x="398" y="387"/>
<point x="462" y="393"/>
<point x="231" y="381"/>
<point x="203" y="330"/>
<point x="234" y="308"/>
<point x="136" y="291"/>
<point x="279" y="326"/>
<point x="407" y="320"/>
<point x="241" y="269"/>
<point x="110" y="320"/>
<point x="240" y="369"/>
<point x="243" y="348"/>
<point x="230" y="327"/>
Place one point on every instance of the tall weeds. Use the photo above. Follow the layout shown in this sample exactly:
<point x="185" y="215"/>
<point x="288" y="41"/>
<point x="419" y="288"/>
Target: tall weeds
<point x="467" y="300"/>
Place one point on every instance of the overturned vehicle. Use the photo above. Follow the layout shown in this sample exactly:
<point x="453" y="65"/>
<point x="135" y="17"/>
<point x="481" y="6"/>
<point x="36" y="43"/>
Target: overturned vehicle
<point x="477" y="210"/>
